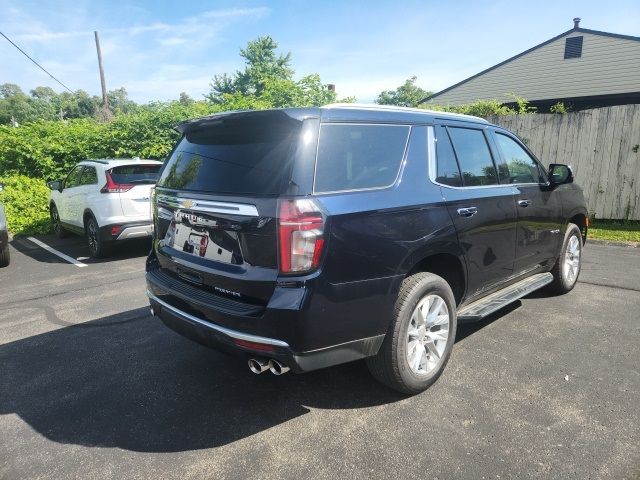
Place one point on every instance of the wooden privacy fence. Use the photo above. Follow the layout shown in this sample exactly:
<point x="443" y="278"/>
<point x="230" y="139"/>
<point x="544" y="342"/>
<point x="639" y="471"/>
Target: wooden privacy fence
<point x="603" y="147"/>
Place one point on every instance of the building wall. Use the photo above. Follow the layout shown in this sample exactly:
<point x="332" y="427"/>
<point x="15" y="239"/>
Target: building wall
<point x="608" y="66"/>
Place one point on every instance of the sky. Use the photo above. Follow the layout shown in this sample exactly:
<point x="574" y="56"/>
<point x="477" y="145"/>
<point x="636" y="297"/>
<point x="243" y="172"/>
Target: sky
<point x="157" y="49"/>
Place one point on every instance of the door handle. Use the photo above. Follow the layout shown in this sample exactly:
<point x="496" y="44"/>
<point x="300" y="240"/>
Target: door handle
<point x="467" y="211"/>
<point x="524" y="203"/>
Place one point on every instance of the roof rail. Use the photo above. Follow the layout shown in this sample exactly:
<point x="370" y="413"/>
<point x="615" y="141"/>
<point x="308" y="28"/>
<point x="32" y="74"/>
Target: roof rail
<point x="395" y="108"/>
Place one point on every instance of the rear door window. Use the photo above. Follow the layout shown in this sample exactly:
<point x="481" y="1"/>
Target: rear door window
<point x="359" y="156"/>
<point x="89" y="176"/>
<point x="247" y="154"/>
<point x="474" y="156"/>
<point x="135" y="174"/>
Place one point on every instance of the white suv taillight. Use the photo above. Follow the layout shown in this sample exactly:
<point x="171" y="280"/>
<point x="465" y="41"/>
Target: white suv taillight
<point x="300" y="235"/>
<point x="112" y="187"/>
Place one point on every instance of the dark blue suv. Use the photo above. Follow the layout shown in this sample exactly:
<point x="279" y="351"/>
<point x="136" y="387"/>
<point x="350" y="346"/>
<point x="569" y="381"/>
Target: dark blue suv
<point x="305" y="238"/>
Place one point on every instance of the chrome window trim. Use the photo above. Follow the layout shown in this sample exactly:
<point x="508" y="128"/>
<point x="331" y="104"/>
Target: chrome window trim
<point x="207" y="206"/>
<point x="403" y="158"/>
<point x="433" y="169"/>
<point x="226" y="331"/>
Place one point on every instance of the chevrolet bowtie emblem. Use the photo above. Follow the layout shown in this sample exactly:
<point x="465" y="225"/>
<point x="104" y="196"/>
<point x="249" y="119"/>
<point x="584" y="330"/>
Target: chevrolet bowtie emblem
<point x="187" y="203"/>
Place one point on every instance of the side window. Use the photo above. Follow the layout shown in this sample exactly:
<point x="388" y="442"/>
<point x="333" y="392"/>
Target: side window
<point x="73" y="179"/>
<point x="358" y="156"/>
<point x="521" y="167"/>
<point x="474" y="156"/>
<point x="89" y="176"/>
<point x="447" y="170"/>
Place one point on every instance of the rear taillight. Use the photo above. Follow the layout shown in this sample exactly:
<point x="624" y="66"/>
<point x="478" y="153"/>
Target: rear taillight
<point x="300" y="235"/>
<point x="113" y="187"/>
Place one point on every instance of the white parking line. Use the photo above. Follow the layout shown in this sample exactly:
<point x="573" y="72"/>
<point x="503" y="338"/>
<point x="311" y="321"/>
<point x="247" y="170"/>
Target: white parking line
<point x="57" y="253"/>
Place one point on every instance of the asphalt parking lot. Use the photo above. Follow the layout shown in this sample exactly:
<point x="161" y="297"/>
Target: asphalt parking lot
<point x="91" y="386"/>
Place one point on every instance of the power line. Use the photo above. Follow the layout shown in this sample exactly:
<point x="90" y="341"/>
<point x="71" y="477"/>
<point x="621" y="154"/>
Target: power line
<point x="40" y="66"/>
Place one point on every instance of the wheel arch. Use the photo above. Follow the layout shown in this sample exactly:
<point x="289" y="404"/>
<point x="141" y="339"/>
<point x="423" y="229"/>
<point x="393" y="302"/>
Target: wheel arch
<point x="444" y="262"/>
<point x="88" y="213"/>
<point x="581" y="219"/>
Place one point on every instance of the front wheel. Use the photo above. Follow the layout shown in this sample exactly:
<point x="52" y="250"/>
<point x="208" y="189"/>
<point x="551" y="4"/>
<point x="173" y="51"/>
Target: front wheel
<point x="98" y="248"/>
<point x="567" y="267"/>
<point x="420" y="338"/>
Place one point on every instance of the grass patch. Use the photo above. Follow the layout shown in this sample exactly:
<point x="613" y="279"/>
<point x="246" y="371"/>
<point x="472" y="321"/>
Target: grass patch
<point x="615" y="230"/>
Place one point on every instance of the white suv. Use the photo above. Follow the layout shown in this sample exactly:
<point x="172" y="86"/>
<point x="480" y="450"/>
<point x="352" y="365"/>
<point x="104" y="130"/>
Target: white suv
<point x="105" y="200"/>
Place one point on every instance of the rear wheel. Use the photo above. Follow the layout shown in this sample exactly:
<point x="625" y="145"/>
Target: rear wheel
<point x="55" y="222"/>
<point x="567" y="267"/>
<point x="5" y="257"/>
<point x="420" y="338"/>
<point x="98" y="248"/>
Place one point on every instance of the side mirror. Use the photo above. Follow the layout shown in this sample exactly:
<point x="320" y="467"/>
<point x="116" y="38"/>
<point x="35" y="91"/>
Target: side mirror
<point x="55" y="185"/>
<point x="560" y="174"/>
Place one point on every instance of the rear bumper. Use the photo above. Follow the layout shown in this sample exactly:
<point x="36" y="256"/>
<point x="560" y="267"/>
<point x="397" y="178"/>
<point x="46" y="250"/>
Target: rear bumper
<point x="126" y="231"/>
<point x="237" y="342"/>
<point x="312" y="325"/>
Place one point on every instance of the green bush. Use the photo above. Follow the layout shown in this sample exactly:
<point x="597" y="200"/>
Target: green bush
<point x="26" y="203"/>
<point x="484" y="108"/>
<point x="49" y="148"/>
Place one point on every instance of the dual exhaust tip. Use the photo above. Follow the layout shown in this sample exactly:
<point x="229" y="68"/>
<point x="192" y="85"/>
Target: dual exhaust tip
<point x="260" y="365"/>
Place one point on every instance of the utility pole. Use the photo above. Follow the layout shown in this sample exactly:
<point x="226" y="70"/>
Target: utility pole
<point x="105" y="102"/>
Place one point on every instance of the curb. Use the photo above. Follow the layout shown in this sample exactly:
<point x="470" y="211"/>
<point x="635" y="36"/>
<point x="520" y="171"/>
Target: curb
<point x="614" y="243"/>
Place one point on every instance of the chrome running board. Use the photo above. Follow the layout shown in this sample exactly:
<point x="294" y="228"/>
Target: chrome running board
<point x="491" y="303"/>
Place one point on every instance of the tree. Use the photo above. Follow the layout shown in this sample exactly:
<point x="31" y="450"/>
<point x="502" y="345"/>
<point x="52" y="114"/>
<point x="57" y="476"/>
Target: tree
<point x="407" y="95"/>
<point x="44" y="93"/>
<point x="14" y="105"/>
<point x="267" y="82"/>
<point x="185" y="99"/>
<point x="119" y="101"/>
<point x="263" y="64"/>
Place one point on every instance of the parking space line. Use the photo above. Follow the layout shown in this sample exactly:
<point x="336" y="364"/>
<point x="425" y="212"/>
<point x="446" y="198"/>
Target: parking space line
<point x="57" y="253"/>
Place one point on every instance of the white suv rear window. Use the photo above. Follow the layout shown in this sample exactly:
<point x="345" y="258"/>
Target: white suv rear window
<point x="135" y="173"/>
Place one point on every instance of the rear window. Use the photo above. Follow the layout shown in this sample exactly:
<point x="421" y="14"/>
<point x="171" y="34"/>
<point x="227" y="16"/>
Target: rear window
<point x="245" y="154"/>
<point x="356" y="157"/>
<point x="135" y="173"/>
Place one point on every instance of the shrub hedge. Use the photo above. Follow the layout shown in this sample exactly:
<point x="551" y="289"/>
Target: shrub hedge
<point x="26" y="204"/>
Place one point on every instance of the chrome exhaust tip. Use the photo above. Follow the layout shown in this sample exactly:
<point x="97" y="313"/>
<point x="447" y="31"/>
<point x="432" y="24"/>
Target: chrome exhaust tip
<point x="258" y="365"/>
<point x="277" y="368"/>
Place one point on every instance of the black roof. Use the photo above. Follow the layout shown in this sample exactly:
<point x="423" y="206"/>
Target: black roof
<point x="568" y="32"/>
<point x="348" y="112"/>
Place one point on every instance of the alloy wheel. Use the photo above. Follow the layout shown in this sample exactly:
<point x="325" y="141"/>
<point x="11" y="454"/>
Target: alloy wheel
<point x="427" y="334"/>
<point x="92" y="236"/>
<point x="572" y="259"/>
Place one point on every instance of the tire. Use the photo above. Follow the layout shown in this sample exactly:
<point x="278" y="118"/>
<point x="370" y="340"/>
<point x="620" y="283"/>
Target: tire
<point x="404" y="342"/>
<point x="98" y="248"/>
<point x="568" y="264"/>
<point x="5" y="257"/>
<point x="55" y="222"/>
